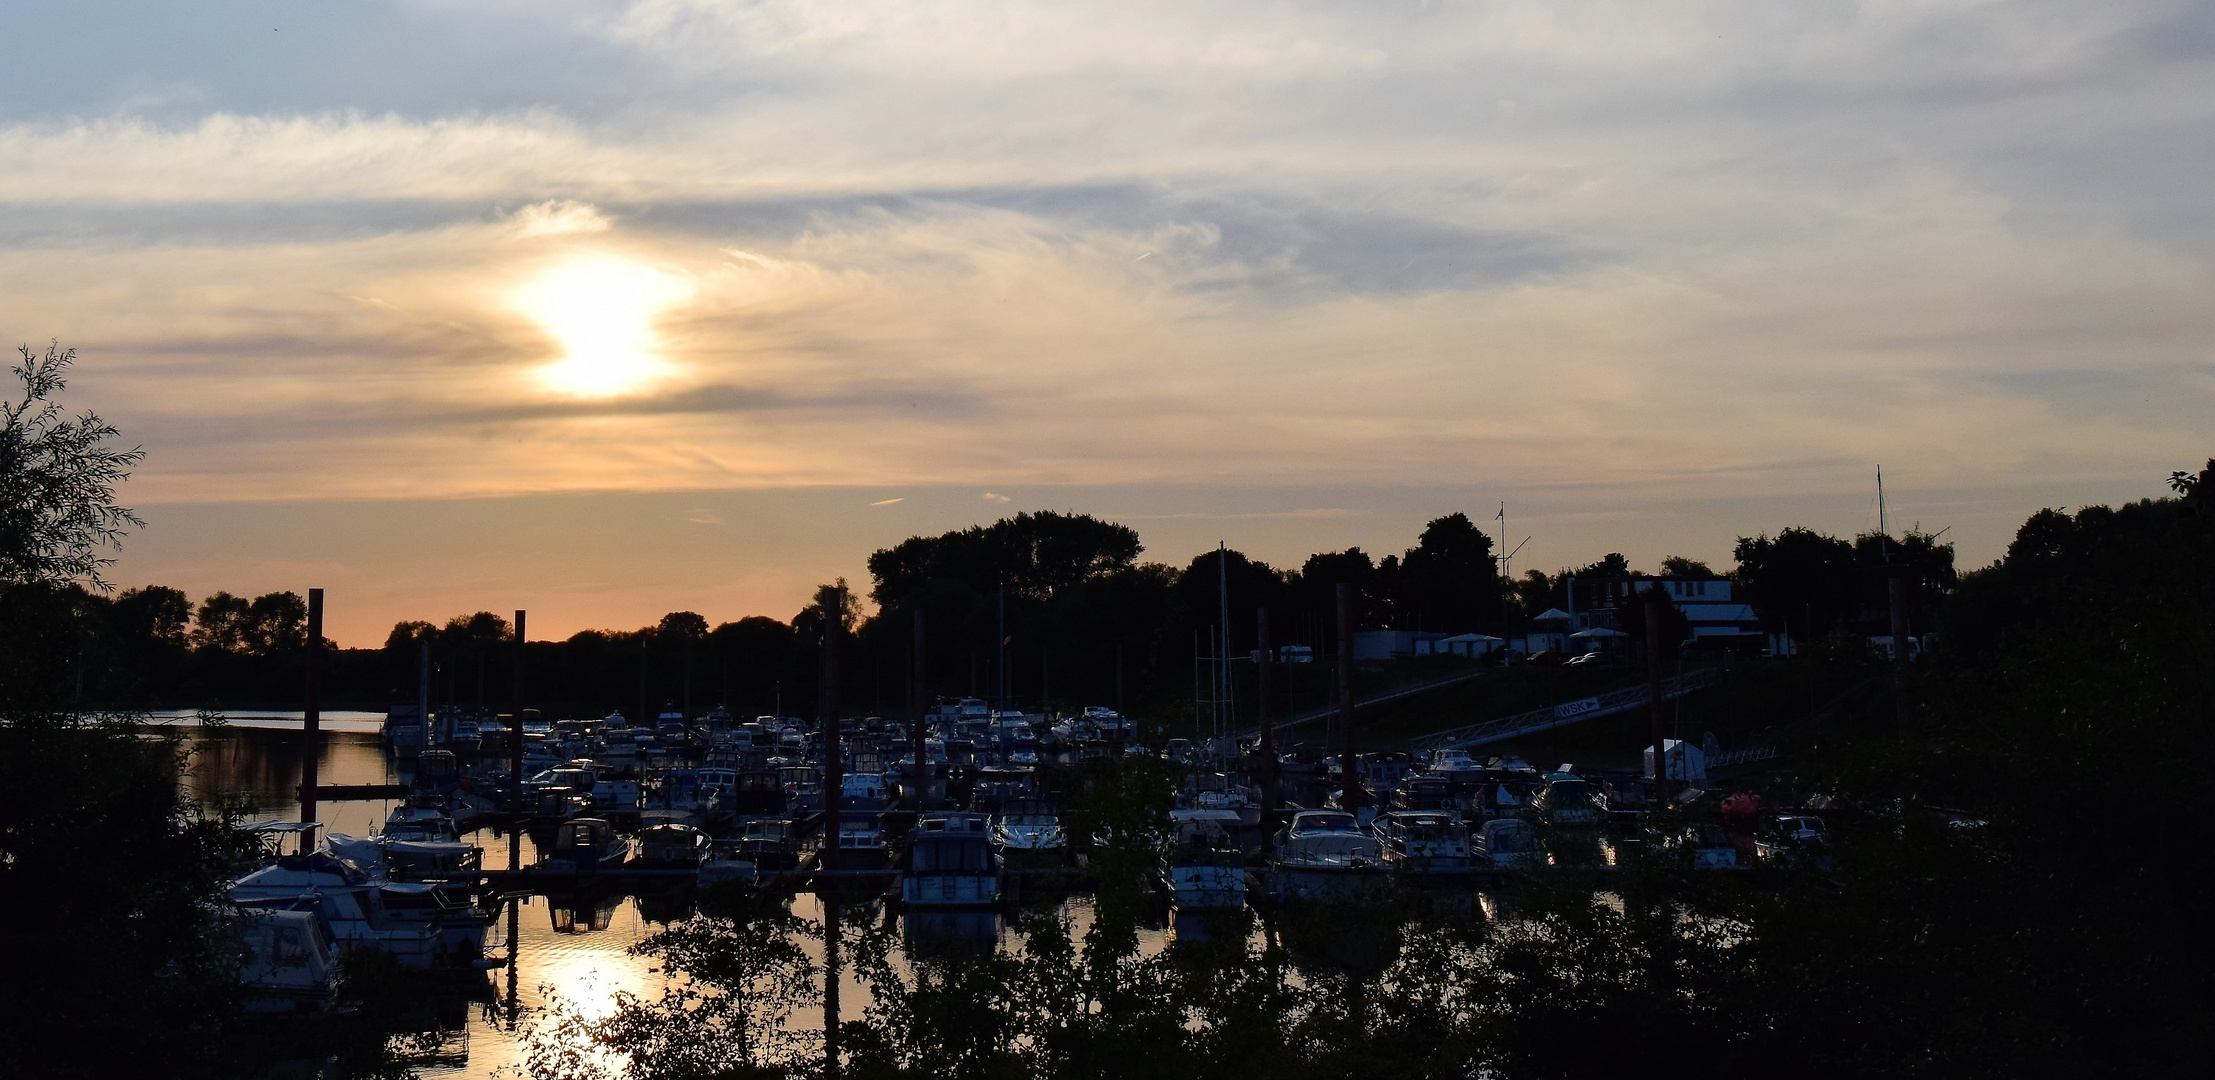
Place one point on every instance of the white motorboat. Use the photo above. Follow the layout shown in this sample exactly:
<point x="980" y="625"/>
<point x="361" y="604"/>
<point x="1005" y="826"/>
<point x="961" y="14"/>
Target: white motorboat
<point x="1426" y="844"/>
<point x="763" y="849"/>
<point x="1028" y="835"/>
<point x="416" y="923"/>
<point x="671" y="847"/>
<point x="1507" y="844"/>
<point x="1566" y="800"/>
<point x="1324" y="855"/>
<point x="1206" y="867"/>
<point x="389" y="858"/>
<point x="1453" y="765"/>
<point x="584" y="846"/>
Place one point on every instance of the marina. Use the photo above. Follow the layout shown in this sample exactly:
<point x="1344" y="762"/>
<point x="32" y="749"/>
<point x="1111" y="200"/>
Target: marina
<point x="431" y="844"/>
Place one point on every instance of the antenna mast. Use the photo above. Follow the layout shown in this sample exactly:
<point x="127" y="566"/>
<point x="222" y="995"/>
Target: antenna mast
<point x="1884" y="533"/>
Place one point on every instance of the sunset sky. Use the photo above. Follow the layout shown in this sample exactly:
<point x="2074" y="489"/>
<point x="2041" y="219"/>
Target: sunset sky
<point x="610" y="309"/>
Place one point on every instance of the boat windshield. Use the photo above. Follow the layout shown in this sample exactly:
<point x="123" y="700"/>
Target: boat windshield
<point x="1326" y="823"/>
<point x="1568" y="793"/>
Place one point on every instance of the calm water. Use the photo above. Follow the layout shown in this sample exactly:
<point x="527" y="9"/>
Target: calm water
<point x="585" y="960"/>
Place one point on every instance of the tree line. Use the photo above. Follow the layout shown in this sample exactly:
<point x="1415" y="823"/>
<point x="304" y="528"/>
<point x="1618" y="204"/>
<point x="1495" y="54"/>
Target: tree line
<point x="1046" y="610"/>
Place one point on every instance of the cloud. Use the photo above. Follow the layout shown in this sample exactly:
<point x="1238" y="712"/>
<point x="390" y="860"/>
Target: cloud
<point x="703" y="516"/>
<point x="886" y="502"/>
<point x="990" y="497"/>
<point x="1236" y="244"/>
<point x="557" y="217"/>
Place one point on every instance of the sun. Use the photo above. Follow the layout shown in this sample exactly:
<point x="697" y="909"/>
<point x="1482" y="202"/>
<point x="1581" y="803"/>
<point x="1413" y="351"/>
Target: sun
<point x="601" y="308"/>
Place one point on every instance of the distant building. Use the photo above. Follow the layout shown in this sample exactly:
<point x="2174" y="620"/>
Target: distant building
<point x="1386" y="644"/>
<point x="1686" y="761"/>
<point x="1460" y="645"/>
<point x="1717" y="616"/>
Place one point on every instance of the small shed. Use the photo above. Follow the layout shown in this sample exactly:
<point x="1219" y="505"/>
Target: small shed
<point x="1599" y="638"/>
<point x="1687" y="762"/>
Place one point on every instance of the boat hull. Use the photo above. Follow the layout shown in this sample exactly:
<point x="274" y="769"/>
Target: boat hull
<point x="1207" y="888"/>
<point x="1292" y="883"/>
<point x="950" y="892"/>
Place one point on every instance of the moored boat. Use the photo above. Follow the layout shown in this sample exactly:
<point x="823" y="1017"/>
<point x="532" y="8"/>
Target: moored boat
<point x="949" y="863"/>
<point x="584" y="846"/>
<point x="1424" y="844"/>
<point x="1028" y="835"/>
<point x="1323" y="855"/>
<point x="1206" y="867"/>
<point x="1507" y="844"/>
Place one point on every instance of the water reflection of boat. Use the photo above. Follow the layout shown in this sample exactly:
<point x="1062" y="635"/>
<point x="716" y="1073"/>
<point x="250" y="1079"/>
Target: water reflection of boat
<point x="949" y="863"/>
<point x="586" y="912"/>
<point x="1201" y="927"/>
<point x="1323" y="855"/>
<point x="668" y="904"/>
<point x="939" y="932"/>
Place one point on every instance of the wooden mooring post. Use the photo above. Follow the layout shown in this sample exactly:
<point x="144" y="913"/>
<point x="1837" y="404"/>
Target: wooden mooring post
<point x="311" y="725"/>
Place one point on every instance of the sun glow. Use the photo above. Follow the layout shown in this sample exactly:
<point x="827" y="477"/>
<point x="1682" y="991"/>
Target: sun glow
<point x="601" y="309"/>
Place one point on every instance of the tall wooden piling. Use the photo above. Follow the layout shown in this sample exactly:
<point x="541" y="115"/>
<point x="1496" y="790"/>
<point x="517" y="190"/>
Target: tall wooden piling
<point x="311" y="725"/>
<point x="1350" y="796"/>
<point x="1653" y="693"/>
<point x="1266" y="753"/>
<point x="919" y="711"/>
<point x="1897" y="593"/>
<point x="833" y="602"/>
<point x="515" y="721"/>
<point x="829" y="896"/>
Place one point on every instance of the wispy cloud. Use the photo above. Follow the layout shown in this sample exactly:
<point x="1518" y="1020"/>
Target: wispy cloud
<point x="1515" y="242"/>
<point x="886" y="502"/>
